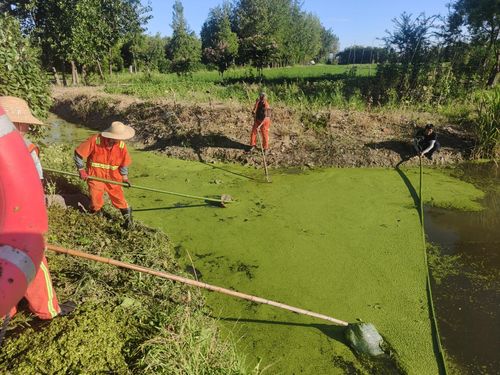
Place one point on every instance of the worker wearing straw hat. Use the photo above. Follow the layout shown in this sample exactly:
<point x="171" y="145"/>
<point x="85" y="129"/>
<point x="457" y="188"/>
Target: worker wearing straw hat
<point x="108" y="158"/>
<point x="40" y="294"/>
<point x="19" y="113"/>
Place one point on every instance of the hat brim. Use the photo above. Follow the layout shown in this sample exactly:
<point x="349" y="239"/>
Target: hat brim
<point x="25" y="119"/>
<point x="128" y="133"/>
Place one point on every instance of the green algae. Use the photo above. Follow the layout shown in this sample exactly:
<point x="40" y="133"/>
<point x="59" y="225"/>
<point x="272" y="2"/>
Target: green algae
<point x="344" y="242"/>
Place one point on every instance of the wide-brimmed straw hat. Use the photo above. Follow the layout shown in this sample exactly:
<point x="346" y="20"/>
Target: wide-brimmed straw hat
<point x="17" y="110"/>
<point x="118" y="130"/>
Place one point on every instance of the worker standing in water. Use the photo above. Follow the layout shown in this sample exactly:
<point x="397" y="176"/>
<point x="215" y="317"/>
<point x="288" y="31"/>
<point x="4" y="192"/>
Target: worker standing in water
<point x="262" y="121"/>
<point x="108" y="158"/>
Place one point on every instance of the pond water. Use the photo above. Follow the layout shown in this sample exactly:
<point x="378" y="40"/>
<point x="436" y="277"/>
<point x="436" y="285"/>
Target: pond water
<point x="343" y="242"/>
<point x="468" y="299"/>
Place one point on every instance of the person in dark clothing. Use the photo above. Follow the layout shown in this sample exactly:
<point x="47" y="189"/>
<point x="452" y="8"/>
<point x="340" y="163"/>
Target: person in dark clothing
<point x="425" y="142"/>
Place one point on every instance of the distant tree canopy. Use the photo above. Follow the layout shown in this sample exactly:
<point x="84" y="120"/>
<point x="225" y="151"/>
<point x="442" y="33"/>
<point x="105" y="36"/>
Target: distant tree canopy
<point x="462" y="49"/>
<point x="184" y="48"/>
<point x="363" y="55"/>
<point x="219" y="42"/>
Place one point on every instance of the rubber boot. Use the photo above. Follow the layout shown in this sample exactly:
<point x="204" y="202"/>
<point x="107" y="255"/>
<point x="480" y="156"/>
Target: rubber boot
<point x="127" y="215"/>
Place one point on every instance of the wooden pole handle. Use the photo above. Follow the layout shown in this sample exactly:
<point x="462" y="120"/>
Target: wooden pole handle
<point x="195" y="283"/>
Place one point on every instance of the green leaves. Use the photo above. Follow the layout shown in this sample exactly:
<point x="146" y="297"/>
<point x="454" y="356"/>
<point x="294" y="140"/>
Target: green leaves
<point x="20" y="71"/>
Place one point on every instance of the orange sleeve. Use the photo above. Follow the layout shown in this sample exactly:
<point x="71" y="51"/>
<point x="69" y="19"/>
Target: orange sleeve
<point x="86" y="148"/>
<point x="127" y="160"/>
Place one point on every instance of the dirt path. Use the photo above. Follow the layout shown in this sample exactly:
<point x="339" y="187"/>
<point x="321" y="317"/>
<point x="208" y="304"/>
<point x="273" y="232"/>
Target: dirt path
<point x="220" y="132"/>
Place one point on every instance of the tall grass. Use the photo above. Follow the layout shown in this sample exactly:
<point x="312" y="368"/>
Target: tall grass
<point x="487" y="124"/>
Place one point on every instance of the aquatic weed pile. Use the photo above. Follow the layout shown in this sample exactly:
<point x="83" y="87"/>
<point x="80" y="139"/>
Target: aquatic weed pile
<point x="125" y="322"/>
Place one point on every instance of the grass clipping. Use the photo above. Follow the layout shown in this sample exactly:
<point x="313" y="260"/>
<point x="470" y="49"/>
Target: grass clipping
<point x="126" y="322"/>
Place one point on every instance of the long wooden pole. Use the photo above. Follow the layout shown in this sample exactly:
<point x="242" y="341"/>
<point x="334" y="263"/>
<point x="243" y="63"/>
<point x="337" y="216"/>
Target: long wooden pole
<point x="139" y="187"/>
<point x="263" y="153"/>
<point x="195" y="283"/>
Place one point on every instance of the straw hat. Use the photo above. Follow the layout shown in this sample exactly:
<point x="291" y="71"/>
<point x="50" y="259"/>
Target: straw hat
<point x="18" y="110"/>
<point x="118" y="130"/>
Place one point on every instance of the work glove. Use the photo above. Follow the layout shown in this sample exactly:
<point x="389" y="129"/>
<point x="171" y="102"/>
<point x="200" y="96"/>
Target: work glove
<point x="83" y="174"/>
<point x="126" y="181"/>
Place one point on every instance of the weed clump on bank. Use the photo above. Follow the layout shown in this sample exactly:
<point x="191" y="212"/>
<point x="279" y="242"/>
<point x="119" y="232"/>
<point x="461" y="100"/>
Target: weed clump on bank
<point x="126" y="322"/>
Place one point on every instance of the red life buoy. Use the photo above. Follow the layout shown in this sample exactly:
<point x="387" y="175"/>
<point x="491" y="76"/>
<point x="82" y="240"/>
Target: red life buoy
<point x="23" y="217"/>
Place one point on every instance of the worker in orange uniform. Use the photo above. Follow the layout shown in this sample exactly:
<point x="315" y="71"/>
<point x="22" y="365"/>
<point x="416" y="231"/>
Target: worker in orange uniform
<point x="107" y="157"/>
<point x="41" y="296"/>
<point x="262" y="121"/>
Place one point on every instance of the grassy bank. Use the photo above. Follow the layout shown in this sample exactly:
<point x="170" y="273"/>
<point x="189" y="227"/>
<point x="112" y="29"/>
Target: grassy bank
<point x="125" y="322"/>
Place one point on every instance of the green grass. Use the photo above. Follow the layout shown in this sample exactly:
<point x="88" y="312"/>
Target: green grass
<point x="317" y="86"/>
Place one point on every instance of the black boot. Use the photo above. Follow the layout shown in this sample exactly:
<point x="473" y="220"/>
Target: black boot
<point x="127" y="215"/>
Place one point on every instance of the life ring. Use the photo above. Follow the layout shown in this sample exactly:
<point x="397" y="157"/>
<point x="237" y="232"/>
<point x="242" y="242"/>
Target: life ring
<point x="23" y="217"/>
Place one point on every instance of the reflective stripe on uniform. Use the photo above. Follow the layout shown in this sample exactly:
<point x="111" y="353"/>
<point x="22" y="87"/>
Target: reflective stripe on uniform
<point x="50" y="291"/>
<point x="98" y="140"/>
<point x="122" y="144"/>
<point x="104" y="166"/>
<point x="20" y="259"/>
<point x="6" y="126"/>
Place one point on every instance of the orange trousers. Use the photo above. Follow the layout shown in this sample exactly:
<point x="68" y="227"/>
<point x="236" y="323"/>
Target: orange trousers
<point x="41" y="297"/>
<point x="264" y="130"/>
<point x="97" y="190"/>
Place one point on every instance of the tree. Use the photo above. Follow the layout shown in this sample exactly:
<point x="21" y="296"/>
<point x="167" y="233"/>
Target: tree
<point x="482" y="20"/>
<point x="82" y="32"/>
<point x="20" y="71"/>
<point x="184" y="49"/>
<point x="329" y="45"/>
<point x="219" y="43"/>
<point x="258" y="44"/>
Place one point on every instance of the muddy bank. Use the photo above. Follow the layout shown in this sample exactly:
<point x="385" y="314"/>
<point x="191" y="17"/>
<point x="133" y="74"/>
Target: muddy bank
<point x="220" y="132"/>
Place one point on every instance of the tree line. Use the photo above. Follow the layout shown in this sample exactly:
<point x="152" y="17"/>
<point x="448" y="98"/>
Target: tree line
<point x="80" y="36"/>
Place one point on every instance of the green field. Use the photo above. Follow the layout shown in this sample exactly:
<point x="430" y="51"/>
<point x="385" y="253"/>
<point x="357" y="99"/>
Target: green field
<point x="318" y="85"/>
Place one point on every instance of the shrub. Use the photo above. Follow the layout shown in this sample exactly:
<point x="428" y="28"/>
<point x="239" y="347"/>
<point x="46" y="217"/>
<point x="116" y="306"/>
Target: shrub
<point x="20" y="71"/>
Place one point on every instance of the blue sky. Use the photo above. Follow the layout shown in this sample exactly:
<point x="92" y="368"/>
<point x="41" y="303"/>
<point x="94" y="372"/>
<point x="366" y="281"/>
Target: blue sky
<point x="354" y="21"/>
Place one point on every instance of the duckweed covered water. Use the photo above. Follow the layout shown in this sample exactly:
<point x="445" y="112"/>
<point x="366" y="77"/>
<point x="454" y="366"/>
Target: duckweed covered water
<point x="343" y="242"/>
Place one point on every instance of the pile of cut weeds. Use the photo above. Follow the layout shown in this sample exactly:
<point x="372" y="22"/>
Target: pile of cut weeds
<point x="125" y="322"/>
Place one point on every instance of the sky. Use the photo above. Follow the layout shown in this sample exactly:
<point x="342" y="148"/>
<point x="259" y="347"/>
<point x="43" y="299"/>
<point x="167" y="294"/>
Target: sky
<point x="361" y="22"/>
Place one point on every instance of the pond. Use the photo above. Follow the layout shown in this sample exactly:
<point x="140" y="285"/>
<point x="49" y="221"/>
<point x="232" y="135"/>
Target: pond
<point x="342" y="242"/>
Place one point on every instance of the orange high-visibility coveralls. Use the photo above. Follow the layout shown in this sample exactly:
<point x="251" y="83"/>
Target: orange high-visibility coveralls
<point x="104" y="161"/>
<point x="41" y="297"/>
<point x="266" y="123"/>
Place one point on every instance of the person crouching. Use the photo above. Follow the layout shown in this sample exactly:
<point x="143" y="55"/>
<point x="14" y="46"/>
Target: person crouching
<point x="107" y="158"/>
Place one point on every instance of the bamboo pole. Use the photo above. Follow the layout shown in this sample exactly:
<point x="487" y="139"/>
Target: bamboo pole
<point x="222" y="201"/>
<point x="263" y="154"/>
<point x="195" y="283"/>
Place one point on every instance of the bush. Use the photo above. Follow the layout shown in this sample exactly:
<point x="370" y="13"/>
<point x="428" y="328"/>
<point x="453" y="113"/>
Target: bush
<point x="20" y="71"/>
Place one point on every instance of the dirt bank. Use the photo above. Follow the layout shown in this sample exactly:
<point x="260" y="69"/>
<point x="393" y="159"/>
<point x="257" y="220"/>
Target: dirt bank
<point x="220" y="132"/>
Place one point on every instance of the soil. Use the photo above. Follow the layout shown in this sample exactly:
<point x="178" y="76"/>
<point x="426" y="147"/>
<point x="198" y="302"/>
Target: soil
<point x="220" y="132"/>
